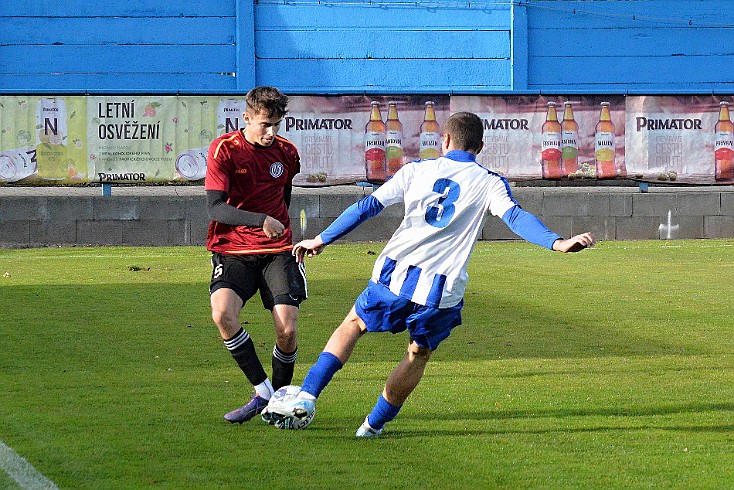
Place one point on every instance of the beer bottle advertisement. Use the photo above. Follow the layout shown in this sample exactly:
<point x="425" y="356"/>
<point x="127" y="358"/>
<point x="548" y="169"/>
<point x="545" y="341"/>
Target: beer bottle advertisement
<point x="394" y="140"/>
<point x="512" y="131"/>
<point x="605" y="144"/>
<point x="569" y="141"/>
<point x="374" y="146"/>
<point x="59" y="139"/>
<point x="329" y="133"/>
<point x="724" y="145"/>
<point x="430" y="134"/>
<point x="675" y="138"/>
<point x="551" y="152"/>
<point x="542" y="137"/>
<point x="360" y="138"/>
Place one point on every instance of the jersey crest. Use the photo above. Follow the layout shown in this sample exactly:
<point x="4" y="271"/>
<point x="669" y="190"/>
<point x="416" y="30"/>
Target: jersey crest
<point x="276" y="169"/>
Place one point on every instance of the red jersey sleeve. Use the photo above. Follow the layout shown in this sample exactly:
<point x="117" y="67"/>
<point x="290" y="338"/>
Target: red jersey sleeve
<point x="295" y="164"/>
<point x="218" y="165"/>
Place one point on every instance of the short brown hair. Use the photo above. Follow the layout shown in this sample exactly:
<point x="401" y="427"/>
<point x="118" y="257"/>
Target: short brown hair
<point x="267" y="100"/>
<point x="466" y="131"/>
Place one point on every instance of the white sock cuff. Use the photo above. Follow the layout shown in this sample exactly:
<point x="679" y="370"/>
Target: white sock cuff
<point x="286" y="358"/>
<point x="240" y="338"/>
<point x="265" y="389"/>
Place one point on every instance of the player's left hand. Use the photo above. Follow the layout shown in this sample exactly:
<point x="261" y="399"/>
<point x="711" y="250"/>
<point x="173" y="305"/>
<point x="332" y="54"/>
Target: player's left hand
<point x="575" y="243"/>
<point x="308" y="248"/>
<point x="273" y="228"/>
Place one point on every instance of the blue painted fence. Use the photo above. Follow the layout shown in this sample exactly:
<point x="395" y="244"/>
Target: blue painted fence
<point x="360" y="46"/>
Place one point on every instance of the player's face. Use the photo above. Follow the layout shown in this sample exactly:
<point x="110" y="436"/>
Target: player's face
<point x="261" y="129"/>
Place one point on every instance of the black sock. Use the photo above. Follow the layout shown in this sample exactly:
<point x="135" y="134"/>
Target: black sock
<point x="242" y="349"/>
<point x="283" y="364"/>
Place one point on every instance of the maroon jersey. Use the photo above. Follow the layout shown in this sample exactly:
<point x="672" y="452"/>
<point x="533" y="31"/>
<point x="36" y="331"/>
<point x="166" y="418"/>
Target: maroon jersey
<point x="254" y="178"/>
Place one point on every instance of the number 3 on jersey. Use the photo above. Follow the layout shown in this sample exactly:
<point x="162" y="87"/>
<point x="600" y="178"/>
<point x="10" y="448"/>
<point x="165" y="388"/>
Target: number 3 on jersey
<point x="440" y="214"/>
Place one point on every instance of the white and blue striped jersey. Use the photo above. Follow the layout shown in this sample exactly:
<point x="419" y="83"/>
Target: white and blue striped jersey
<point x="446" y="200"/>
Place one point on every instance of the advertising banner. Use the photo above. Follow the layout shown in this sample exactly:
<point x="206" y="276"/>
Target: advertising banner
<point x="156" y="139"/>
<point x="543" y="137"/>
<point x="131" y="140"/>
<point x="358" y="138"/>
<point x="43" y="140"/>
<point x="680" y="139"/>
<point x="346" y="139"/>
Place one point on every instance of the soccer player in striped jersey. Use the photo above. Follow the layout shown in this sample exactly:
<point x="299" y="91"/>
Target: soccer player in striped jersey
<point x="418" y="280"/>
<point x="248" y="186"/>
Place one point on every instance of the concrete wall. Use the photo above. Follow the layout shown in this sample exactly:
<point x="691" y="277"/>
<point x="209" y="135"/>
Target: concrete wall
<point x="38" y="217"/>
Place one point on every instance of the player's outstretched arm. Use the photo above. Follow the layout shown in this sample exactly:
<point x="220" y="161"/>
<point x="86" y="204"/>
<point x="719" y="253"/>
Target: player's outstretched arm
<point x="350" y="218"/>
<point x="575" y="243"/>
<point x="308" y="248"/>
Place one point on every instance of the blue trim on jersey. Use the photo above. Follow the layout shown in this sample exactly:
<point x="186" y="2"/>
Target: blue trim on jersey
<point x="461" y="156"/>
<point x="529" y="227"/>
<point x="411" y="281"/>
<point x="507" y="187"/>
<point x="434" y="295"/>
<point x="388" y="267"/>
<point x="351" y="218"/>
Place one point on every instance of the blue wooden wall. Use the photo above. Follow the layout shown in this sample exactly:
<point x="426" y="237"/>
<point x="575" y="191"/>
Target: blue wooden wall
<point x="362" y="46"/>
<point x="81" y="46"/>
<point x="387" y="46"/>
<point x="635" y="46"/>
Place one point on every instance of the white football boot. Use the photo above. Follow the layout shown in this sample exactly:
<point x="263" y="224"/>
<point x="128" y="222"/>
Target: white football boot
<point x="366" y="431"/>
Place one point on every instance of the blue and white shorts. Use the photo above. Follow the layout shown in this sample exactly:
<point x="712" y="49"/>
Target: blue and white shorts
<point x="383" y="311"/>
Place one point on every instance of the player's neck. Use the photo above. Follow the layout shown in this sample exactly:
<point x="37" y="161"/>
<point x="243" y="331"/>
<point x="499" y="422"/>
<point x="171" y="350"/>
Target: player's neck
<point x="243" y="133"/>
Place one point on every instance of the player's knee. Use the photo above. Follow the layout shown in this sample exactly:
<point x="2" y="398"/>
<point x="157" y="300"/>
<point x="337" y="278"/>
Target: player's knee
<point x="223" y="319"/>
<point x="287" y="334"/>
<point x="418" y="354"/>
<point x="354" y="322"/>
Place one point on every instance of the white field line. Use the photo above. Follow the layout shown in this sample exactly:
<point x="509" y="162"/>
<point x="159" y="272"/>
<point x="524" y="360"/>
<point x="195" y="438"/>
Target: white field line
<point x="21" y="471"/>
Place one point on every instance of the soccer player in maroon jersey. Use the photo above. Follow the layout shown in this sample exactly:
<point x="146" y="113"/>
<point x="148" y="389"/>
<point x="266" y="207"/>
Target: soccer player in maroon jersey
<point x="248" y="186"/>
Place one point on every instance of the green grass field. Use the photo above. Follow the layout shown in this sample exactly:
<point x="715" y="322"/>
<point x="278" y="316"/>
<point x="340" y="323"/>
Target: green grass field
<point x="611" y="368"/>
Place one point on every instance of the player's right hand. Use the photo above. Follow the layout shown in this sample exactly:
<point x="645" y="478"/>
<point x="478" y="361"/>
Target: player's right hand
<point x="307" y="248"/>
<point x="575" y="243"/>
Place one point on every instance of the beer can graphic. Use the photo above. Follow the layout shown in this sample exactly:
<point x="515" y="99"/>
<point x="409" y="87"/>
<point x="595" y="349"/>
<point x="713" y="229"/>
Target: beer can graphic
<point x="51" y="138"/>
<point x="17" y="164"/>
<point x="191" y="164"/>
<point x="229" y="115"/>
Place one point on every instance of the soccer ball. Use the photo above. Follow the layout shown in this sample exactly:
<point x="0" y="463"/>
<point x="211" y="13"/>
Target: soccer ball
<point x="285" y="393"/>
<point x="286" y="411"/>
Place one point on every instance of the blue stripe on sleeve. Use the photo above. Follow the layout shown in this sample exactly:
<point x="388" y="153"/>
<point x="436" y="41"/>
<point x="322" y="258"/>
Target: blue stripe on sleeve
<point x="527" y="226"/>
<point x="351" y="218"/>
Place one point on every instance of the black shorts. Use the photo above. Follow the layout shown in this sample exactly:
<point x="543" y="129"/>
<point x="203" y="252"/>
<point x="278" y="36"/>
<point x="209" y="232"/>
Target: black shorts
<point x="278" y="277"/>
